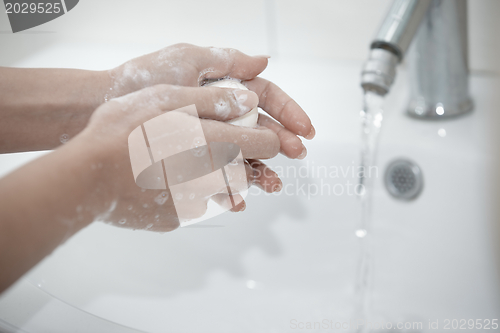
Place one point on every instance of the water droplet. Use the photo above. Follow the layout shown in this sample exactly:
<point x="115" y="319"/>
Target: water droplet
<point x="244" y="137"/>
<point x="64" y="138"/>
<point x="145" y="205"/>
<point x="149" y="226"/>
<point x="251" y="284"/>
<point x="191" y="196"/>
<point x="157" y="216"/>
<point x="178" y="196"/>
<point x="41" y="283"/>
<point x="129" y="207"/>
<point x="161" y="198"/>
<point x="122" y="221"/>
<point x="361" y="233"/>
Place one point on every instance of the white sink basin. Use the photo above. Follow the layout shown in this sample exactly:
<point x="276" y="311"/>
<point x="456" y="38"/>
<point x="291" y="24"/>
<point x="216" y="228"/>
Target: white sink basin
<point x="292" y="258"/>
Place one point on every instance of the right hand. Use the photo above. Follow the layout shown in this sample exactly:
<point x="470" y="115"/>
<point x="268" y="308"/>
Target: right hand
<point x="117" y="198"/>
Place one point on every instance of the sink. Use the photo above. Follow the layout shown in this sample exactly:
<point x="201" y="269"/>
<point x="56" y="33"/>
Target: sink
<point x="291" y="257"/>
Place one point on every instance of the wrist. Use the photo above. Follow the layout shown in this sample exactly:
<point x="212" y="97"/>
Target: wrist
<point x="86" y="161"/>
<point x="104" y="84"/>
<point x="128" y="78"/>
<point x="104" y="157"/>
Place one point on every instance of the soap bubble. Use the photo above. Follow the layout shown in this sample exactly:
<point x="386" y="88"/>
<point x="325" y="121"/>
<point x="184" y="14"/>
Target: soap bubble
<point x="199" y="147"/>
<point x="64" y="138"/>
<point x="161" y="198"/>
<point x="199" y="151"/>
<point x="198" y="142"/>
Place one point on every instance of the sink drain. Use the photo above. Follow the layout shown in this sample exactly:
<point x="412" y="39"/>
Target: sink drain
<point x="403" y="179"/>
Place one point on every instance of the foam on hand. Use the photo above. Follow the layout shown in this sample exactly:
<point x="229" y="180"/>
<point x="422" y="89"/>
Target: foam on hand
<point x="249" y="119"/>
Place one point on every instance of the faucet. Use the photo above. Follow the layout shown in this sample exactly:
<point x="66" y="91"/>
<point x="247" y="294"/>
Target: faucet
<point x="437" y="58"/>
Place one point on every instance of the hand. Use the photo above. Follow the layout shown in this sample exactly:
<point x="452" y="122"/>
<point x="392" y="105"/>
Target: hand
<point x="188" y="65"/>
<point x="121" y="201"/>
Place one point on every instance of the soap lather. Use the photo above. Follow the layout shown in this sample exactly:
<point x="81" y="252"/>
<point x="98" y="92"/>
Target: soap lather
<point x="249" y="119"/>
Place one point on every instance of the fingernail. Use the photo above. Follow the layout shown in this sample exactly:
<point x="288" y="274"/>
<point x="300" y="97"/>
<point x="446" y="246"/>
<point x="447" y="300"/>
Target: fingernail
<point x="303" y="154"/>
<point x="263" y="56"/>
<point x="311" y="134"/>
<point x="239" y="207"/>
<point x="278" y="186"/>
<point x="247" y="100"/>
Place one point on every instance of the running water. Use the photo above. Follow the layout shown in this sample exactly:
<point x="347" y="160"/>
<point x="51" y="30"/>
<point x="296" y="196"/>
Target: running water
<point x="371" y="122"/>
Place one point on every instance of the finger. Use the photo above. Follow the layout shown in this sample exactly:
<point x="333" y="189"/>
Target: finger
<point x="222" y="103"/>
<point x="258" y="142"/>
<point x="262" y="176"/>
<point x="233" y="203"/>
<point x="281" y="107"/>
<point x="214" y="63"/>
<point x="291" y="145"/>
<point x="211" y="102"/>
<point x="240" y="204"/>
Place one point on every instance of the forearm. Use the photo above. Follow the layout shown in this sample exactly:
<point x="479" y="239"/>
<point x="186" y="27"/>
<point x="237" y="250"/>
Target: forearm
<point x="39" y="107"/>
<point x="44" y="203"/>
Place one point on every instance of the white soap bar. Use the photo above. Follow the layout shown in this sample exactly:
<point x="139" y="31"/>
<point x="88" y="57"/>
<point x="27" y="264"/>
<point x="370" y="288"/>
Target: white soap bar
<point x="249" y="119"/>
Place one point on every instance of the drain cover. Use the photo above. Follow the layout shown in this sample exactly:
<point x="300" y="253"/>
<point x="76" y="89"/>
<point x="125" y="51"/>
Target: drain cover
<point x="403" y="179"/>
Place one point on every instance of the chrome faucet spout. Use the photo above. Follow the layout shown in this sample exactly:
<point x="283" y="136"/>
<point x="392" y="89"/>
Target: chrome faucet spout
<point x="438" y="61"/>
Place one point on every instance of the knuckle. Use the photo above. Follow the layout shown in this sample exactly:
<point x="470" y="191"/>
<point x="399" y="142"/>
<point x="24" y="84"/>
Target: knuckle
<point x="183" y="45"/>
<point x="274" y="146"/>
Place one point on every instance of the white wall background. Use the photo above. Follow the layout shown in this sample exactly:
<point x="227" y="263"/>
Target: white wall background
<point x="306" y="29"/>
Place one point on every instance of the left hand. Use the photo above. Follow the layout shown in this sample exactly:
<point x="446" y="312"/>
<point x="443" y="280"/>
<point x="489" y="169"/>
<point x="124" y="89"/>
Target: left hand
<point x="189" y="65"/>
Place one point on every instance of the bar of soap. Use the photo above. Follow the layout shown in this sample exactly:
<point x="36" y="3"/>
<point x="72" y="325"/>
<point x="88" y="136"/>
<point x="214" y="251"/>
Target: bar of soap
<point x="249" y="119"/>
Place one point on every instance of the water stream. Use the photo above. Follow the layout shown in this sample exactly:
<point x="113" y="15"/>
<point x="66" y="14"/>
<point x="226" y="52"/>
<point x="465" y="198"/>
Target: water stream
<point x="371" y="123"/>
